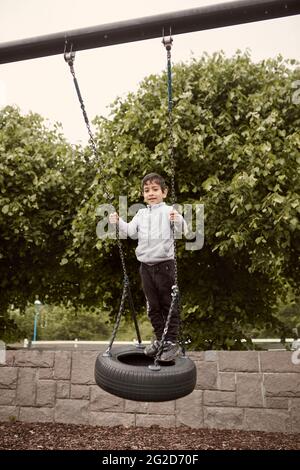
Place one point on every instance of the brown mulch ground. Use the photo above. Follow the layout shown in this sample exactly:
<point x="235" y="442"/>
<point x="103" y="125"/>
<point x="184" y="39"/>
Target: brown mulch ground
<point x="48" y="436"/>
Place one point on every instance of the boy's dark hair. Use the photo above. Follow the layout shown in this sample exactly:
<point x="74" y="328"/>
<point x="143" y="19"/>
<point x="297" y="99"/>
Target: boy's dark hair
<point x="154" y="178"/>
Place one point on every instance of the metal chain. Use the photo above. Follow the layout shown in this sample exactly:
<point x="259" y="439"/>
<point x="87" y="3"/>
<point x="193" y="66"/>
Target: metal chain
<point x="69" y="58"/>
<point x="167" y="42"/>
<point x="118" y="318"/>
<point x="174" y="301"/>
<point x="168" y="45"/>
<point x="175" y="290"/>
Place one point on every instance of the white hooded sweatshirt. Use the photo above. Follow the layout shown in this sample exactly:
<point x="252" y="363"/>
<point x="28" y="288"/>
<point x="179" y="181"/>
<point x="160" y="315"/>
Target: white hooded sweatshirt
<point x="152" y="227"/>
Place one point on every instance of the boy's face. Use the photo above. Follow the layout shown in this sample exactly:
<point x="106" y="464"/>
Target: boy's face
<point x="153" y="193"/>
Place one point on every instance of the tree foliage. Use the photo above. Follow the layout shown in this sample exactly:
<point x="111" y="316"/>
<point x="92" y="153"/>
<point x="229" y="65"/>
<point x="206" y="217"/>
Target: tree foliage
<point x="66" y="321"/>
<point x="42" y="182"/>
<point x="236" y="139"/>
<point x="236" y="142"/>
<point x="62" y="322"/>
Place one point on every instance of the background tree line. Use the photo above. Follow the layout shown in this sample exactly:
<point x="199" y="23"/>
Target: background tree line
<point x="237" y="142"/>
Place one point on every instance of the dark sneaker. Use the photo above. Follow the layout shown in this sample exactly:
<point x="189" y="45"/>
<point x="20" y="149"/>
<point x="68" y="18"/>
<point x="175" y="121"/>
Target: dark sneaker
<point x="152" y="349"/>
<point x="170" y="352"/>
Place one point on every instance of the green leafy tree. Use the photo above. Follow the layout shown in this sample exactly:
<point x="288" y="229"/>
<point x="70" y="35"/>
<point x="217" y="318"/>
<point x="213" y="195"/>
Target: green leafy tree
<point x="42" y="183"/>
<point x="62" y="322"/>
<point x="236" y="139"/>
<point x="66" y="321"/>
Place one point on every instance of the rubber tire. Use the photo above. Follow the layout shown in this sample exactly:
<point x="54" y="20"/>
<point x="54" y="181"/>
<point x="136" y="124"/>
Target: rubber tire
<point x="138" y="382"/>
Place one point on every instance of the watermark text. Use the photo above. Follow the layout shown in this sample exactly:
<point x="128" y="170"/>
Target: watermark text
<point x="135" y="222"/>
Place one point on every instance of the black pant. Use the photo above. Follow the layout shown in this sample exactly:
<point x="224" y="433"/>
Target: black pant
<point x="157" y="281"/>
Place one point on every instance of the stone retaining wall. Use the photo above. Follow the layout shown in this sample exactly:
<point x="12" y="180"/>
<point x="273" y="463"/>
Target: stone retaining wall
<point x="248" y="390"/>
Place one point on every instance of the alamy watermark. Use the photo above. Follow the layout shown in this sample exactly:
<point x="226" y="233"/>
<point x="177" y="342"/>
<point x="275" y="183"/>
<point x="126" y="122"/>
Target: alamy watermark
<point x="2" y="353"/>
<point x="296" y="94"/>
<point x="190" y="227"/>
<point x="296" y="357"/>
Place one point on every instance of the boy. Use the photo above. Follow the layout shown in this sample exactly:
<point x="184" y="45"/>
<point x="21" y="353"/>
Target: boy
<point x="155" y="251"/>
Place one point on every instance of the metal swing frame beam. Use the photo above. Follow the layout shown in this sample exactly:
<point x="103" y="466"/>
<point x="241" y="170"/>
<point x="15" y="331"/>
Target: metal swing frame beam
<point x="179" y="22"/>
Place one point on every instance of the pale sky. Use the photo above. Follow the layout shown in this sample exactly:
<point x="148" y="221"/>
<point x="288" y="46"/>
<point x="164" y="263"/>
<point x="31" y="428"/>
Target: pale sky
<point x="45" y="86"/>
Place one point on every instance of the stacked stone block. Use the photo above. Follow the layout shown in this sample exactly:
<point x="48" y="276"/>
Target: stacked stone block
<point x="249" y="390"/>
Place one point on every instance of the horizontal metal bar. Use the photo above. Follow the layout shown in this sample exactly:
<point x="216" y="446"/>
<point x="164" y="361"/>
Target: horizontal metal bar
<point x="185" y="21"/>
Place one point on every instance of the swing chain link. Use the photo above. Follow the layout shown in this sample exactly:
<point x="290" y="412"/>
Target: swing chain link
<point x="167" y="42"/>
<point x="119" y="315"/>
<point x="69" y="57"/>
<point x="175" y="295"/>
<point x="174" y="301"/>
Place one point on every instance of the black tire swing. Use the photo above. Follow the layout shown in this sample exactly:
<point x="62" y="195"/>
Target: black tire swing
<point x="126" y="371"/>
